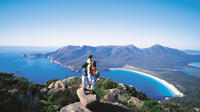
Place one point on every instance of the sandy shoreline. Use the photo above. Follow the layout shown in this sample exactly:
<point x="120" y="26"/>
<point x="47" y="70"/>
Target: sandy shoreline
<point x="171" y="87"/>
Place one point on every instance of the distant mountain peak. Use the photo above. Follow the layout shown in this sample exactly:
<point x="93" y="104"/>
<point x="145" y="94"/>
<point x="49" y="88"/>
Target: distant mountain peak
<point x="157" y="46"/>
<point x="131" y="45"/>
<point x="86" y="46"/>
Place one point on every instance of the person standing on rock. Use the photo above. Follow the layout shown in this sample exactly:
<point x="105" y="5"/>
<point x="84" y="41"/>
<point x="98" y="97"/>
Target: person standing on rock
<point x="85" y="80"/>
<point x="93" y="75"/>
<point x="89" y="64"/>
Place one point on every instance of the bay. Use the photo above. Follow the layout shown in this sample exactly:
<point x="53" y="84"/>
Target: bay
<point x="196" y="64"/>
<point x="148" y="85"/>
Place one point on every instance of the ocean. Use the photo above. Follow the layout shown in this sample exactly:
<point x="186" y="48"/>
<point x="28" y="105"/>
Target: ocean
<point x="196" y="64"/>
<point x="41" y="70"/>
<point x="37" y="70"/>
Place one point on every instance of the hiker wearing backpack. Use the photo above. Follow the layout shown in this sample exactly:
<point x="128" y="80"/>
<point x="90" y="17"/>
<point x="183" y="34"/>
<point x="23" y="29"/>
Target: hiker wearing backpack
<point x="89" y="64"/>
<point x="85" y="81"/>
<point x="93" y="76"/>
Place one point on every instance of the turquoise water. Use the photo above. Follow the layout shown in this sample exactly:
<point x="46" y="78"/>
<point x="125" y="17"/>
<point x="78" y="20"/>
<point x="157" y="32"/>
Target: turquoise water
<point x="148" y="85"/>
<point x="40" y="70"/>
<point x="189" y="72"/>
<point x="196" y="64"/>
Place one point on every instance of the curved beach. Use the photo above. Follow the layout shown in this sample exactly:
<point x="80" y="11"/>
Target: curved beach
<point x="171" y="87"/>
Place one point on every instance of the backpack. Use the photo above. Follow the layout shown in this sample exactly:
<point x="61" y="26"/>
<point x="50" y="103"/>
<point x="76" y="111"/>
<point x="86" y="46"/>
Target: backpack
<point x="97" y="74"/>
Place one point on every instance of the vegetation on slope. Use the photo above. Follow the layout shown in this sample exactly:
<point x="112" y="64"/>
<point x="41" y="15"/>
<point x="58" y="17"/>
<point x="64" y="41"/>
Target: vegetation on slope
<point x="17" y="94"/>
<point x="24" y="96"/>
<point x="58" y="99"/>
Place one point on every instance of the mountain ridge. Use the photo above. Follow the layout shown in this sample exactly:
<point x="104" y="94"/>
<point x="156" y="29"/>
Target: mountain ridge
<point x="156" y="56"/>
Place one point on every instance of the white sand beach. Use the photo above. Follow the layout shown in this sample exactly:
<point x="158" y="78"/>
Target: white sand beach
<point x="171" y="87"/>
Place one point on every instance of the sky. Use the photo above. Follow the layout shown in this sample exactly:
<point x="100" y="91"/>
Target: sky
<point x="143" y="23"/>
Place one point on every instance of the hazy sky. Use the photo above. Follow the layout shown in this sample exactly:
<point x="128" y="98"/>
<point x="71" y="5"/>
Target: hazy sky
<point x="143" y="23"/>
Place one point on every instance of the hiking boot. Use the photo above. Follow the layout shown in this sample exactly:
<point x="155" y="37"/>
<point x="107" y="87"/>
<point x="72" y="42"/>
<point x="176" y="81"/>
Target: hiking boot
<point x="92" y="92"/>
<point x="86" y="89"/>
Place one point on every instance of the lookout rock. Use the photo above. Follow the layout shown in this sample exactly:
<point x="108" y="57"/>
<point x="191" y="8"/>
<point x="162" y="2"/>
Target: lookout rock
<point x="90" y="103"/>
<point x="86" y="100"/>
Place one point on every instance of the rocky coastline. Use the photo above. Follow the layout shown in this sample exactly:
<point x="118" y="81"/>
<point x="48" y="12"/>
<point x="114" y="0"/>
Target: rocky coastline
<point x="70" y="67"/>
<point x="51" y="59"/>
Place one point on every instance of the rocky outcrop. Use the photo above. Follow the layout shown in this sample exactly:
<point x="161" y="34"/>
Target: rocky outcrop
<point x="59" y="85"/>
<point x="122" y="86"/>
<point x="136" y="101"/>
<point x="90" y="103"/>
<point x="86" y="100"/>
<point x="76" y="107"/>
<point x="56" y="86"/>
<point x="43" y="90"/>
<point x="113" y="95"/>
<point x="197" y="109"/>
<point x="116" y="95"/>
<point x="12" y="91"/>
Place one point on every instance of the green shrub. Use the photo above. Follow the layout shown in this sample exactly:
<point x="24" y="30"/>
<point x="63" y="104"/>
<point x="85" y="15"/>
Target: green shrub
<point x="152" y="106"/>
<point x="131" y="106"/>
<point x="109" y="84"/>
<point x="75" y="81"/>
<point x="4" y="74"/>
<point x="100" y="92"/>
<point x="59" y="99"/>
<point x="119" y="87"/>
<point x="20" y="101"/>
<point x="34" y="87"/>
<point x="45" y="102"/>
